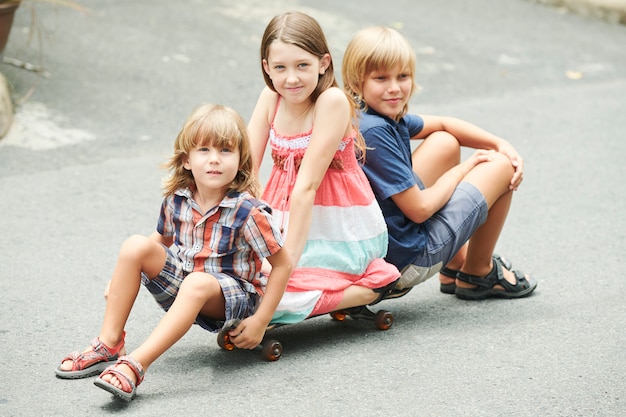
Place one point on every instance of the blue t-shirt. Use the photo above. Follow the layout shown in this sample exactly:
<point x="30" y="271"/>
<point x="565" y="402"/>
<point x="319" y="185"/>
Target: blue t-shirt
<point x="389" y="169"/>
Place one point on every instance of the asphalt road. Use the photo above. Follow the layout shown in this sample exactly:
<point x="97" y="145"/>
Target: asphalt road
<point x="80" y="172"/>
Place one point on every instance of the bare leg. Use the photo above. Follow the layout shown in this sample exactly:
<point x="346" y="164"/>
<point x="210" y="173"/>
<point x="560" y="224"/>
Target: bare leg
<point x="200" y="293"/>
<point x="356" y="296"/>
<point x="455" y="264"/>
<point x="436" y="155"/>
<point x="492" y="179"/>
<point x="459" y="259"/>
<point x="137" y="254"/>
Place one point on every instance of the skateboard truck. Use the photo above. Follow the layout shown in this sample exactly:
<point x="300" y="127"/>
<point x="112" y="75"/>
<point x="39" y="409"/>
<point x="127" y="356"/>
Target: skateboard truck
<point x="382" y="319"/>
<point x="271" y="349"/>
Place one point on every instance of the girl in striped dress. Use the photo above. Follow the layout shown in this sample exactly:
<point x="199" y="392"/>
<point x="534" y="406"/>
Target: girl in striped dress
<point x="333" y="226"/>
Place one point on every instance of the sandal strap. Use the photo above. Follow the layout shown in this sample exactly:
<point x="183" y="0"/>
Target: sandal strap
<point x="488" y="281"/>
<point x="448" y="272"/>
<point x="505" y="262"/>
<point x="384" y="292"/>
<point x="452" y="273"/>
<point x="495" y="276"/>
<point x="521" y="283"/>
<point x="134" y="365"/>
<point x="127" y="384"/>
<point x="99" y="353"/>
<point x="107" y="351"/>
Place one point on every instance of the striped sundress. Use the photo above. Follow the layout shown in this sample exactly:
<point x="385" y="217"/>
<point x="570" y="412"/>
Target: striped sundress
<point x="348" y="236"/>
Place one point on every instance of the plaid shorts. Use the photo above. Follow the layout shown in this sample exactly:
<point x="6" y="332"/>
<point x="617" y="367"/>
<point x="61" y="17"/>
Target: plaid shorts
<point x="240" y="303"/>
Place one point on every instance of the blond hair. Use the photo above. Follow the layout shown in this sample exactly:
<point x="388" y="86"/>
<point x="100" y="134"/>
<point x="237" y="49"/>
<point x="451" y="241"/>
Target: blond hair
<point x="376" y="48"/>
<point x="219" y="126"/>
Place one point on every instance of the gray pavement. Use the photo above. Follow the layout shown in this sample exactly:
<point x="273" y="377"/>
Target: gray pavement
<point x="610" y="10"/>
<point x="79" y="172"/>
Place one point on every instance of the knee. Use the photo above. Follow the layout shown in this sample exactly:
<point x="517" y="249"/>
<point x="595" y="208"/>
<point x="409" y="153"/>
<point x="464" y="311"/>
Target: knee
<point x="502" y="164"/>
<point x="496" y="177"/>
<point x="492" y="178"/>
<point x="446" y="139"/>
<point x="447" y="144"/>
<point x="136" y="247"/>
<point x="199" y="284"/>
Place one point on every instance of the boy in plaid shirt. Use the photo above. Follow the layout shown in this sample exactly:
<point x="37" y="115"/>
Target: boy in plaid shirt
<point x="202" y="264"/>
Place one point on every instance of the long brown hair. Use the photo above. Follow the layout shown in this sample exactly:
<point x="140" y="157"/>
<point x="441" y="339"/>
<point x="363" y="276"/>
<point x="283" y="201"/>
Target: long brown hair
<point x="301" y="30"/>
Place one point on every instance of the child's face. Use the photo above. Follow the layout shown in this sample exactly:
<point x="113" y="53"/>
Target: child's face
<point x="213" y="168"/>
<point x="388" y="91"/>
<point x="294" y="72"/>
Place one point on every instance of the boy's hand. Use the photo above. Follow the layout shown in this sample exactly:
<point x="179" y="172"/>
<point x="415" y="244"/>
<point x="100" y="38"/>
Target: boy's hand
<point x="248" y="334"/>
<point x="516" y="160"/>
<point x="481" y="155"/>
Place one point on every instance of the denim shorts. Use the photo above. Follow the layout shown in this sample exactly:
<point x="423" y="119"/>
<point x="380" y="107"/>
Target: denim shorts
<point x="448" y="230"/>
<point x="164" y="288"/>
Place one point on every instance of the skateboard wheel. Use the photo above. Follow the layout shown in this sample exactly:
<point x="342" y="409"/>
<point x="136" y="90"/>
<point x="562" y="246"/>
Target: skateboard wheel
<point x="272" y="350"/>
<point x="338" y="315"/>
<point x="383" y="320"/>
<point x="223" y="340"/>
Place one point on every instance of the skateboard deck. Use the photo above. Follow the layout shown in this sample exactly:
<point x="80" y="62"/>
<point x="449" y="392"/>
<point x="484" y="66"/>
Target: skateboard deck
<point x="272" y="349"/>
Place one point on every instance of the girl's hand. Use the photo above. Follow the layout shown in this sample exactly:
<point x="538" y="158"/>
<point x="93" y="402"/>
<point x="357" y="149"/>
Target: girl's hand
<point x="248" y="334"/>
<point x="106" y="290"/>
<point x="516" y="160"/>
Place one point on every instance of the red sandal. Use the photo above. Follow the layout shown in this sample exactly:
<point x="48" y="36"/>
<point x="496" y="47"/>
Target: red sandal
<point x="92" y="362"/>
<point x="129" y="388"/>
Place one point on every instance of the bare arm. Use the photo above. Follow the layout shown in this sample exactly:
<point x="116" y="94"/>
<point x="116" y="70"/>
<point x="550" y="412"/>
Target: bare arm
<point x="259" y="125"/>
<point x="250" y="331"/>
<point x="419" y="205"/>
<point x="331" y="122"/>
<point x="472" y="136"/>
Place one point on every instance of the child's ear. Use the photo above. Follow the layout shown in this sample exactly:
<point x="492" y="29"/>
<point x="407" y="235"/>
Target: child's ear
<point x="324" y="63"/>
<point x="186" y="163"/>
<point x="266" y="68"/>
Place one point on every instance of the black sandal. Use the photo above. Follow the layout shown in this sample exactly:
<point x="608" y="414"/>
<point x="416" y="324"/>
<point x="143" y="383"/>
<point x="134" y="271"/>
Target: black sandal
<point x="449" y="273"/>
<point x="486" y="285"/>
<point x="452" y="273"/>
<point x="390" y="291"/>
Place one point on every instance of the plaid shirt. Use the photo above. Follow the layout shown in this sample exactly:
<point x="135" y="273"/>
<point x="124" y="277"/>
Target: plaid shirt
<point x="231" y="238"/>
